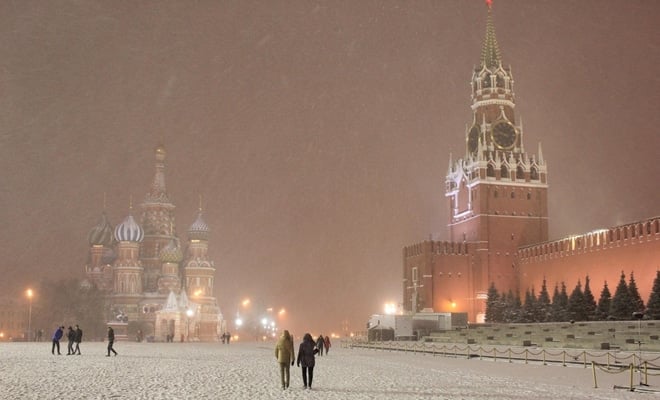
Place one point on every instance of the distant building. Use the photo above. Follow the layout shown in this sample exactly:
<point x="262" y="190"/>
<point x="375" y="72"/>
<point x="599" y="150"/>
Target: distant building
<point x="13" y="319"/>
<point x="149" y="276"/>
<point x="498" y="227"/>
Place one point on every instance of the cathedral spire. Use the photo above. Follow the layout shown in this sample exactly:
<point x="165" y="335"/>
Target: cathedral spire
<point x="490" y="53"/>
<point x="157" y="192"/>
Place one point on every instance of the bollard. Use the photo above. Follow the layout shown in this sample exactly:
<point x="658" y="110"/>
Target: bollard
<point x="632" y="371"/>
<point x="593" y="369"/>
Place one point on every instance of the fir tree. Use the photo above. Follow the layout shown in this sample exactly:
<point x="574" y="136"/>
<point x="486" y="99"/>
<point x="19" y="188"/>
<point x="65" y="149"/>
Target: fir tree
<point x="493" y="305"/>
<point x="554" y="315"/>
<point x="543" y="304"/>
<point x="576" y="304"/>
<point x="512" y="310"/>
<point x="636" y="301"/>
<point x="529" y="306"/>
<point x="621" y="307"/>
<point x="589" y="301"/>
<point x="604" y="303"/>
<point x="560" y="304"/>
<point x="653" y="305"/>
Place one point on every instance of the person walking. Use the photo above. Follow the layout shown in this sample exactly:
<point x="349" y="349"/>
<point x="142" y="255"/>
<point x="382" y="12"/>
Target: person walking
<point x="57" y="336"/>
<point x="319" y="344"/>
<point x="77" y="340"/>
<point x="306" y="360"/>
<point x="111" y="341"/>
<point x="71" y="336"/>
<point x="285" y="354"/>
<point x="326" y="344"/>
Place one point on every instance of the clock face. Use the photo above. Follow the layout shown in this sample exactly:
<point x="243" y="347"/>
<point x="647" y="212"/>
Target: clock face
<point x="504" y="135"/>
<point x="473" y="139"/>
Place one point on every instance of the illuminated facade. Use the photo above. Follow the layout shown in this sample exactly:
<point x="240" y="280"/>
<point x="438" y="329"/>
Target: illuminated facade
<point x="498" y="227"/>
<point x="147" y="276"/>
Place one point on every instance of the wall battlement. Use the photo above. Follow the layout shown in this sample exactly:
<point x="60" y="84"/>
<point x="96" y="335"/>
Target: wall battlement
<point x="436" y="247"/>
<point x="623" y="235"/>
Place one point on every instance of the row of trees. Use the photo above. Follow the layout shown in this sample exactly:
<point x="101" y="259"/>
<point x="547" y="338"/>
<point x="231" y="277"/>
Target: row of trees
<point x="580" y="305"/>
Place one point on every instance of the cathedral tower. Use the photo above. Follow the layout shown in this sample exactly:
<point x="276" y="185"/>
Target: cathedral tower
<point x="199" y="278"/>
<point x="128" y="270"/>
<point x="158" y="223"/>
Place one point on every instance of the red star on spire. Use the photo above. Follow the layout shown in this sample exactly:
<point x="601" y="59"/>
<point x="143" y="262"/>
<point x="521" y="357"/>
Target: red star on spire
<point x="489" y="3"/>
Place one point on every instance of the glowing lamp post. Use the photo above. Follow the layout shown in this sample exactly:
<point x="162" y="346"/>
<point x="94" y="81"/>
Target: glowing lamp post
<point x="189" y="314"/>
<point x="29" y="293"/>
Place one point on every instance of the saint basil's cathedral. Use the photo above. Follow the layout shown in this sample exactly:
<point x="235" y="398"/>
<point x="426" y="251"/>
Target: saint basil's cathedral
<point x="149" y="277"/>
<point x="498" y="226"/>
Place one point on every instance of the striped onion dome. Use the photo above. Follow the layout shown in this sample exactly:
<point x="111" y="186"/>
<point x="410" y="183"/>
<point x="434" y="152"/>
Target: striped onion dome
<point x="171" y="253"/>
<point x="129" y="231"/>
<point x="198" y="230"/>
<point x="101" y="234"/>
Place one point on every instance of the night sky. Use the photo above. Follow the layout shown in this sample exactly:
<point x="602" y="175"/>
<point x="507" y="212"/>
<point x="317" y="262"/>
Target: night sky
<point x="318" y="133"/>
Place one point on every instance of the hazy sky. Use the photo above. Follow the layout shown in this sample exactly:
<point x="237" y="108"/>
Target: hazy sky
<point x="317" y="132"/>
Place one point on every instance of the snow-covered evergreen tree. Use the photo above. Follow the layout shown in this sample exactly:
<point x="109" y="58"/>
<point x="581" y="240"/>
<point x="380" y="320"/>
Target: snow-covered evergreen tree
<point x="653" y="305"/>
<point x="621" y="307"/>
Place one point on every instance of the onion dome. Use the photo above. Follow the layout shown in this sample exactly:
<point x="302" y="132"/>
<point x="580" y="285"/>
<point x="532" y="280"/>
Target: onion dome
<point x="101" y="234"/>
<point x="198" y="230"/>
<point x="129" y="231"/>
<point x="171" y="253"/>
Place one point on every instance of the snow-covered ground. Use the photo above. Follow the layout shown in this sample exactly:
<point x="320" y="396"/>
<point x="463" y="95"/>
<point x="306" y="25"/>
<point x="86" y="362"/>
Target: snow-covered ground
<point x="250" y="371"/>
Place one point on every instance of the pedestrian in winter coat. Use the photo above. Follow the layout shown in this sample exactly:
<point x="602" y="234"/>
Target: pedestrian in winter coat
<point x="78" y="339"/>
<point x="306" y="360"/>
<point x="57" y="336"/>
<point x="111" y="341"/>
<point x="326" y="344"/>
<point x="319" y="344"/>
<point x="71" y="335"/>
<point x="285" y="355"/>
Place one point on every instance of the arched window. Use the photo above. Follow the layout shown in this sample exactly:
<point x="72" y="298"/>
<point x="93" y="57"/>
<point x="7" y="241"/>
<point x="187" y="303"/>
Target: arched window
<point x="520" y="173"/>
<point x="534" y="174"/>
<point x="505" y="172"/>
<point x="490" y="171"/>
<point x="529" y="196"/>
<point x="485" y="83"/>
<point x="500" y="81"/>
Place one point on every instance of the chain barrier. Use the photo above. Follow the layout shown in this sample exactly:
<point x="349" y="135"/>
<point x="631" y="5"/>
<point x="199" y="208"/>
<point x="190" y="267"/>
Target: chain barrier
<point x="612" y="359"/>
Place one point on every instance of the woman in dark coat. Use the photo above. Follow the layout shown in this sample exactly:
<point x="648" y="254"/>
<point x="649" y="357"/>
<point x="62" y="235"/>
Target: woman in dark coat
<point x="306" y="360"/>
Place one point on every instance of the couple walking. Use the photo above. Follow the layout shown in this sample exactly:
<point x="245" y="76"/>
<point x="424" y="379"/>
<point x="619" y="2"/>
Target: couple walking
<point x="286" y="357"/>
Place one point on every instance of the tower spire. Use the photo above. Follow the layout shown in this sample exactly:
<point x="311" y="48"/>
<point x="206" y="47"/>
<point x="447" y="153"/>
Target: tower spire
<point x="490" y="53"/>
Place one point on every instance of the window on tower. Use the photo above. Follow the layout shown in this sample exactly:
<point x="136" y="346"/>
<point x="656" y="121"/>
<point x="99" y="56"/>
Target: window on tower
<point x="490" y="171"/>
<point x="534" y="174"/>
<point x="504" y="172"/>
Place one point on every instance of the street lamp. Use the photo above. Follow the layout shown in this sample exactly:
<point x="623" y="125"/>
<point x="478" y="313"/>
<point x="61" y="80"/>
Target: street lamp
<point x="189" y="314"/>
<point x="29" y="293"/>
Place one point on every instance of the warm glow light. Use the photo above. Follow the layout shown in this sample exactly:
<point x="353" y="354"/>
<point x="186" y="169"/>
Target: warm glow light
<point x="197" y="292"/>
<point x="189" y="313"/>
<point x="2" y="334"/>
<point x="29" y="293"/>
<point x="390" y="308"/>
<point x="281" y="312"/>
<point x="453" y="304"/>
<point x="245" y="302"/>
<point x="239" y="322"/>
